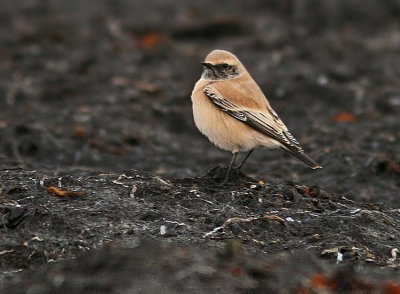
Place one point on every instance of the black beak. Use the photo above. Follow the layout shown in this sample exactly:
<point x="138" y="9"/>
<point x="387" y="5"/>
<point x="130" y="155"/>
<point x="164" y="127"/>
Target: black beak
<point x="206" y="64"/>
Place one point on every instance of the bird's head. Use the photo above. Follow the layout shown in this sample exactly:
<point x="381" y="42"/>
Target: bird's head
<point x="221" y="65"/>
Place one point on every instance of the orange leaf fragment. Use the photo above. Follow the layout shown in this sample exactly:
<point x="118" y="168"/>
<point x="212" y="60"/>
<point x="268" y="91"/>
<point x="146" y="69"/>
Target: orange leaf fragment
<point x="319" y="281"/>
<point x="150" y="40"/>
<point x="345" y="117"/>
<point x="64" y="193"/>
<point x="79" y="132"/>
<point x="237" y="271"/>
<point x="393" y="288"/>
<point x="274" y="217"/>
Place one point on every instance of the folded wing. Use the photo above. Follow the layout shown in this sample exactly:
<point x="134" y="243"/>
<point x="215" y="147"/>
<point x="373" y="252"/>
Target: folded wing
<point x="266" y="122"/>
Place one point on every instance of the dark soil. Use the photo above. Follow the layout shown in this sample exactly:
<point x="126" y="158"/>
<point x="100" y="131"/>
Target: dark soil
<point x="106" y="186"/>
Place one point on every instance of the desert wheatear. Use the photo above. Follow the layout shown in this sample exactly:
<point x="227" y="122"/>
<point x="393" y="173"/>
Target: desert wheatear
<point x="232" y="111"/>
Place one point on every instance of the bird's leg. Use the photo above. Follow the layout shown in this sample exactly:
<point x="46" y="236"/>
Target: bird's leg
<point x="229" y="168"/>
<point x="244" y="159"/>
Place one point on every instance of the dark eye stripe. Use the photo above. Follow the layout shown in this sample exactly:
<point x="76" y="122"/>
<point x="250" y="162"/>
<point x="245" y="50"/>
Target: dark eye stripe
<point x="223" y="65"/>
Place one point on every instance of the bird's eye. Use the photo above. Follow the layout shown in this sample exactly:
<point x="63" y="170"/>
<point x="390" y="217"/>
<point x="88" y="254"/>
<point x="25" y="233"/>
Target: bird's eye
<point x="225" y="66"/>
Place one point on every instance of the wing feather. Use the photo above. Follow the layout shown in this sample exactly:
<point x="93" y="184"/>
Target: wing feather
<point x="255" y="119"/>
<point x="267" y="123"/>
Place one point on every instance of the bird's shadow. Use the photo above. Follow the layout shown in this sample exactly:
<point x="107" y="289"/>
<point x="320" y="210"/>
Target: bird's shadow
<point x="215" y="176"/>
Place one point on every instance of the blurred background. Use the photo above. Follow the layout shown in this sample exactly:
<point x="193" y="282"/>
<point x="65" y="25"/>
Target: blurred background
<point x="104" y="85"/>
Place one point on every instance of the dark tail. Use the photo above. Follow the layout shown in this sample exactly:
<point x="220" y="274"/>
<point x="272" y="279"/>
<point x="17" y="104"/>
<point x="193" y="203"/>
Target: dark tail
<point x="304" y="158"/>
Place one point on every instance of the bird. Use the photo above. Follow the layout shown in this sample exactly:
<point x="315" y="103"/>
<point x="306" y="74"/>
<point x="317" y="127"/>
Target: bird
<point x="231" y="110"/>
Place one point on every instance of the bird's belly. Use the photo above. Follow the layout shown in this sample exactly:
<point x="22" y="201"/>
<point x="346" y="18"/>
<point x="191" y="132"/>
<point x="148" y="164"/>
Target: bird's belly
<point x="223" y="130"/>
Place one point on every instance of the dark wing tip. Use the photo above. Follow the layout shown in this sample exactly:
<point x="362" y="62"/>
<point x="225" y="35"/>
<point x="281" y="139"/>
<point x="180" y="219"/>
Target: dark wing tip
<point x="293" y="147"/>
<point x="300" y="155"/>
